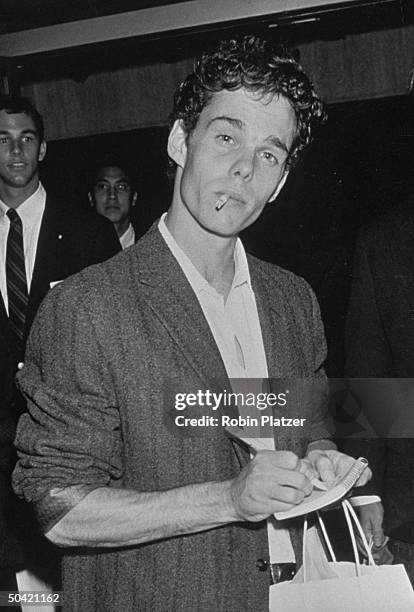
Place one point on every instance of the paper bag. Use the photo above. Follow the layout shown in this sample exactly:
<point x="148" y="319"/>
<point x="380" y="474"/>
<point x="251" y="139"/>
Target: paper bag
<point x="332" y="586"/>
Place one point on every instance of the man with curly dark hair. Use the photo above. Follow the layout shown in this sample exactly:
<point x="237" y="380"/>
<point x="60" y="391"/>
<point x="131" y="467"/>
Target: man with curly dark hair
<point x="123" y="452"/>
<point x="261" y="68"/>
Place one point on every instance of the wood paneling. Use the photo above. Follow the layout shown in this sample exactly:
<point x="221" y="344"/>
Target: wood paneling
<point x="369" y="65"/>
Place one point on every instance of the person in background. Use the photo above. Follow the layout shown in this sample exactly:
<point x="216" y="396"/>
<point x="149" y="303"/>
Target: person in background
<point x="42" y="240"/>
<point x="164" y="517"/>
<point x="380" y="347"/>
<point x="113" y="197"/>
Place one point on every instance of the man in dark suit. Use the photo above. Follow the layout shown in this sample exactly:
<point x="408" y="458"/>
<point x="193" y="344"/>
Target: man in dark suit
<point x="55" y="242"/>
<point x="113" y="196"/>
<point x="177" y="517"/>
<point x="380" y="345"/>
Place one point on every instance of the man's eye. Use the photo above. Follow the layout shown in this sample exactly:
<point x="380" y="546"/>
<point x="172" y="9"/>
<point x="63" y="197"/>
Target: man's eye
<point x="122" y="187"/>
<point x="101" y="187"/>
<point x="4" y="140"/>
<point x="225" y="139"/>
<point x="269" y="158"/>
<point x="27" y="138"/>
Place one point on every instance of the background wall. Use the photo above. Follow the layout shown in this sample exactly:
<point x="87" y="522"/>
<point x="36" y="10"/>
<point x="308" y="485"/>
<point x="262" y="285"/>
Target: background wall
<point x="359" y="66"/>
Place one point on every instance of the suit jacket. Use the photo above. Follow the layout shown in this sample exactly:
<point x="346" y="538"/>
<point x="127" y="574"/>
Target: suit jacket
<point x="380" y="344"/>
<point x="69" y="240"/>
<point x="131" y="334"/>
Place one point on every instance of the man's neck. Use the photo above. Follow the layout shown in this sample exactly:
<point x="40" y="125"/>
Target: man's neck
<point x="212" y="255"/>
<point x="13" y="197"/>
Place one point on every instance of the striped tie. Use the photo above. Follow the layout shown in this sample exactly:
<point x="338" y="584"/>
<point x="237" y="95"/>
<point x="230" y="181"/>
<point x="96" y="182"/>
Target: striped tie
<point x="16" y="275"/>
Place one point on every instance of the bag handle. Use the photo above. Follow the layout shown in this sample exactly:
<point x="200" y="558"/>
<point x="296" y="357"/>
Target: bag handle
<point x="304" y="543"/>
<point x="349" y="512"/>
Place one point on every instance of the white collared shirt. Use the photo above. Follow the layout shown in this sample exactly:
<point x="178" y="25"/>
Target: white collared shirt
<point x="234" y="322"/>
<point x="31" y="213"/>
<point x="236" y="329"/>
<point x="128" y="237"/>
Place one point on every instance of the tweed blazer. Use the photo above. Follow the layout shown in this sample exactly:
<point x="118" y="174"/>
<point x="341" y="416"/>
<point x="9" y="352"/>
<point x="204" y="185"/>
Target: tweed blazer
<point x="107" y="351"/>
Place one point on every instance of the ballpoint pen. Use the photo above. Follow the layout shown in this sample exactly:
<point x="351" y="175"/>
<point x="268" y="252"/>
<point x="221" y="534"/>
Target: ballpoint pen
<point x="257" y="444"/>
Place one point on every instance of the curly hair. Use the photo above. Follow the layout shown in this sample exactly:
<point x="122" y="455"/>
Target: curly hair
<point x="259" y="66"/>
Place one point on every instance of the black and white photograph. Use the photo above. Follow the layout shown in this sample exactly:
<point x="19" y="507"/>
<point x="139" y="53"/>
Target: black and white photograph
<point x="207" y="305"/>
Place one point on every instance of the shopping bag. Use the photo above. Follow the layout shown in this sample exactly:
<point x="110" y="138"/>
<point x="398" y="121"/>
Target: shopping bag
<point x="331" y="586"/>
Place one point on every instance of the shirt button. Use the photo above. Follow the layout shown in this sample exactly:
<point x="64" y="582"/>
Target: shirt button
<point x="20" y="365"/>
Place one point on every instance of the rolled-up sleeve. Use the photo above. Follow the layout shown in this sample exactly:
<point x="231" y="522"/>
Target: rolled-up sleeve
<point x="68" y="442"/>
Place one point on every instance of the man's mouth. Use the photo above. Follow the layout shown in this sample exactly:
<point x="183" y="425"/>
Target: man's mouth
<point x="236" y="197"/>
<point x="17" y="166"/>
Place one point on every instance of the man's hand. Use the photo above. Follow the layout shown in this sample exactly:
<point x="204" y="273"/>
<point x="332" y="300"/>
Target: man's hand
<point x="370" y="517"/>
<point x="331" y="465"/>
<point x="269" y="483"/>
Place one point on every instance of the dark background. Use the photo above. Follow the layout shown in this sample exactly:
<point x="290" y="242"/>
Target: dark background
<point x="359" y="166"/>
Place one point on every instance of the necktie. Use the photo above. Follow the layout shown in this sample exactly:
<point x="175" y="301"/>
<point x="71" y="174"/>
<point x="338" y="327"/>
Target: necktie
<point x="16" y="275"/>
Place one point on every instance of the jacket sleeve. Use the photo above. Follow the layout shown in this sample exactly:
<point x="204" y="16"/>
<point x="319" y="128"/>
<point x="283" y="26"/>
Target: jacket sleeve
<point x="69" y="440"/>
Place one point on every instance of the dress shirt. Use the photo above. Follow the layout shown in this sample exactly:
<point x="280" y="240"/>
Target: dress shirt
<point x="128" y="237"/>
<point x="234" y="322"/>
<point x="31" y="213"/>
<point x="236" y="329"/>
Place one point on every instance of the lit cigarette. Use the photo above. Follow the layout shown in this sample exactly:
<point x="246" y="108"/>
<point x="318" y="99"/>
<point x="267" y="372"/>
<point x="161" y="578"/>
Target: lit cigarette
<point x="221" y="202"/>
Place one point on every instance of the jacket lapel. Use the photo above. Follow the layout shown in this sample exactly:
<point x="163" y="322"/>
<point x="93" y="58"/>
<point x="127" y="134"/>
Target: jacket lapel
<point x="285" y="360"/>
<point x="173" y="301"/>
<point x="282" y="344"/>
<point x="7" y="338"/>
<point x="170" y="296"/>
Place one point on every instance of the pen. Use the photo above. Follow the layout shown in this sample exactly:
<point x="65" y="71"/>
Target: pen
<point x="258" y="444"/>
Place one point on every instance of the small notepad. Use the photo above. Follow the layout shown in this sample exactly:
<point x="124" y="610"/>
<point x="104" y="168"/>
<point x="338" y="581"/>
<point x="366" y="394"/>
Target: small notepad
<point x="320" y="499"/>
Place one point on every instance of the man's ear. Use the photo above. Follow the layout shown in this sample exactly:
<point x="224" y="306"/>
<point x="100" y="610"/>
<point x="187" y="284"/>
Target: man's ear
<point x="177" y="146"/>
<point x="90" y="198"/>
<point x="42" y="151"/>
<point x="279" y="187"/>
<point x="134" y="198"/>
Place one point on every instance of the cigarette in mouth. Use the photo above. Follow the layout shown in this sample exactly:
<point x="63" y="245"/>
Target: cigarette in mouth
<point x="221" y="202"/>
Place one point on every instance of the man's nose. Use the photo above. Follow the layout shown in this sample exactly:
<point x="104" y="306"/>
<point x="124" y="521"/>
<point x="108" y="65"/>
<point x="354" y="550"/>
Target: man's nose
<point x="112" y="193"/>
<point x="16" y="147"/>
<point x="243" y="165"/>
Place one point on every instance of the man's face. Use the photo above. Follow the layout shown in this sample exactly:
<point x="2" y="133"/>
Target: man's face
<point x="20" y="152"/>
<point x="112" y="195"/>
<point x="238" y="151"/>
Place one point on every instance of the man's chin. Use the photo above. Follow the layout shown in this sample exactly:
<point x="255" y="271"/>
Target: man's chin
<point x="112" y="216"/>
<point x="18" y="180"/>
<point x="224" y="232"/>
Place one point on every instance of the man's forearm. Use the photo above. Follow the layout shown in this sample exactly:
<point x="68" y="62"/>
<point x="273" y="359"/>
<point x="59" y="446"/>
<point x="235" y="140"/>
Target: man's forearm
<point x="121" y="517"/>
